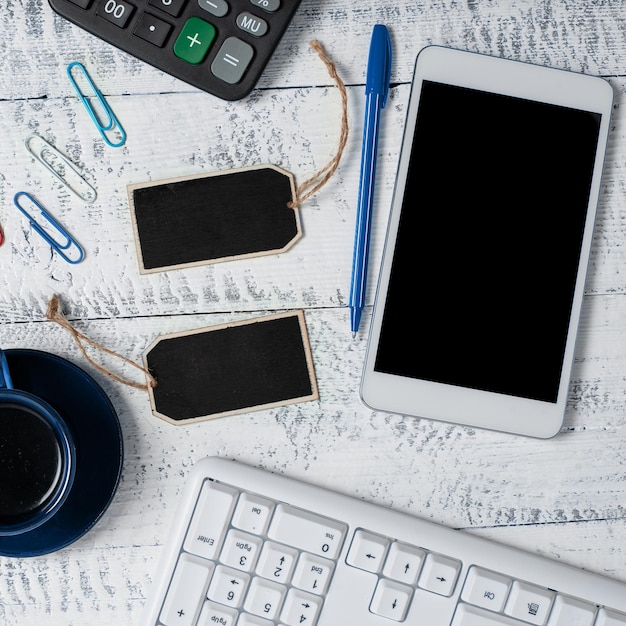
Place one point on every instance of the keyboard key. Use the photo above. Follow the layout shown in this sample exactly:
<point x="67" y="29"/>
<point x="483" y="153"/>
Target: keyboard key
<point x="252" y="513"/>
<point x="210" y="520"/>
<point x="466" y="615"/>
<point x="439" y="574"/>
<point x="241" y="550"/>
<point x="252" y="620"/>
<point x="403" y="562"/>
<point x="213" y="613"/>
<point x="306" y="531"/>
<point x="228" y="586"/>
<point x="313" y="573"/>
<point x="571" y="612"/>
<point x="391" y="599"/>
<point x="186" y="592"/>
<point x="264" y="598"/>
<point x="276" y="562"/>
<point x="367" y="551"/>
<point x="486" y="589"/>
<point x="530" y="603"/>
<point x="300" y="608"/>
<point x="607" y="617"/>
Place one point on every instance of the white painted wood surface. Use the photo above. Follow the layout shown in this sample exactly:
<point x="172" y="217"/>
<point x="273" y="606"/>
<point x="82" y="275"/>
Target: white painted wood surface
<point x="565" y="498"/>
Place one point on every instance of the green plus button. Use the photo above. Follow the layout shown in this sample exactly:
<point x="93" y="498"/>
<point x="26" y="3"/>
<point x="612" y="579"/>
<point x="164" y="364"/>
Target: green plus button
<point x="194" y="40"/>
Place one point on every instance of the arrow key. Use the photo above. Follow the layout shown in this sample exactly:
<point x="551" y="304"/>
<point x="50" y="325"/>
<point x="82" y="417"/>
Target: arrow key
<point x="439" y="574"/>
<point x="367" y="551"/>
<point x="391" y="599"/>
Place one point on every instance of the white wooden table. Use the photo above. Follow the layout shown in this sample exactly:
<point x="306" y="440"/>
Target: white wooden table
<point x="564" y="498"/>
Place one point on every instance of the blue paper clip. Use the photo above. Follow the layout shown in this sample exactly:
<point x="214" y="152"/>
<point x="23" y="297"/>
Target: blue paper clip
<point x="109" y="123"/>
<point x="58" y="246"/>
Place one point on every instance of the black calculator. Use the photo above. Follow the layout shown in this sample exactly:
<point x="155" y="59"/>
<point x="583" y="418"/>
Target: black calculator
<point x="219" y="46"/>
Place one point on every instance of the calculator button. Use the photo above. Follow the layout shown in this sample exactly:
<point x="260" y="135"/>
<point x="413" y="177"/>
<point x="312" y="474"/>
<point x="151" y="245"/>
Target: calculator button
<point x="232" y="60"/>
<point x="117" y="12"/>
<point x="152" y="29"/>
<point x="219" y="8"/>
<point x="171" y="7"/>
<point x="186" y="590"/>
<point x="251" y="24"/>
<point x="83" y="4"/>
<point x="194" y="40"/>
<point x="267" y="5"/>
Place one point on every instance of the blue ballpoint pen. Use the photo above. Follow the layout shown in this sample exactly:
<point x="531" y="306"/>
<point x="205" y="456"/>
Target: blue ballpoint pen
<point x="376" y="90"/>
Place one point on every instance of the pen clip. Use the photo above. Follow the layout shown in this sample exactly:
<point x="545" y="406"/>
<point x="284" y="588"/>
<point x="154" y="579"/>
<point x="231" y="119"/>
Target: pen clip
<point x="110" y="124"/>
<point x="58" y="246"/>
<point x="379" y="64"/>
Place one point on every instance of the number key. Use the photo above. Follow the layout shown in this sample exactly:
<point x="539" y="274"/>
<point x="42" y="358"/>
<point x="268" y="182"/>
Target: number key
<point x="117" y="12"/>
<point x="171" y="7"/>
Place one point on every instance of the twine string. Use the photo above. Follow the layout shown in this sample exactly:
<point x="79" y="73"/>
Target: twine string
<point x="55" y="315"/>
<point x="320" y="178"/>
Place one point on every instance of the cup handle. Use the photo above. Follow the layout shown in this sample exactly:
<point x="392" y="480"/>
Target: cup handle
<point x="5" y="375"/>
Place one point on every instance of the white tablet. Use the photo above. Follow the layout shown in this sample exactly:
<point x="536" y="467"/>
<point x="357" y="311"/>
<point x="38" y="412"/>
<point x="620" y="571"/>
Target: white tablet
<point x="487" y="247"/>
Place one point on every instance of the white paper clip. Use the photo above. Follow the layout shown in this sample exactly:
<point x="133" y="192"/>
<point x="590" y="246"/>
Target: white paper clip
<point x="61" y="167"/>
<point x="105" y="120"/>
<point x="60" y="247"/>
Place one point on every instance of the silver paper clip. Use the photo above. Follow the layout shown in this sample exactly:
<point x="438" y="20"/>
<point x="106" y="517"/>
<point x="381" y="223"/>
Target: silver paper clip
<point x="106" y="122"/>
<point x="60" y="166"/>
<point x="60" y="247"/>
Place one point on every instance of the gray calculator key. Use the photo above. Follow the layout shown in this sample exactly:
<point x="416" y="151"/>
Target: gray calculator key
<point x="232" y="60"/>
<point x="267" y="5"/>
<point x="251" y="24"/>
<point x="219" y="8"/>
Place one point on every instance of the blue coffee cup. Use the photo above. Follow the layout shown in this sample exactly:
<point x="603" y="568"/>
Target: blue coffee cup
<point x="37" y="458"/>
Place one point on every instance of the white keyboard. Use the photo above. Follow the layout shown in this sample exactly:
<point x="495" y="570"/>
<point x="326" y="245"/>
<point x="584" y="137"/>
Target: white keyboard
<point x="252" y="548"/>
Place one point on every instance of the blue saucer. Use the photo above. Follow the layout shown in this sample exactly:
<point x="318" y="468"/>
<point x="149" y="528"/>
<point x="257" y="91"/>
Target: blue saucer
<point x="96" y="430"/>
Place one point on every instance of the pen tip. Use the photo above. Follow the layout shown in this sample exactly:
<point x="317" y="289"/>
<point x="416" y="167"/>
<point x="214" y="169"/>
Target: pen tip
<point x="354" y="335"/>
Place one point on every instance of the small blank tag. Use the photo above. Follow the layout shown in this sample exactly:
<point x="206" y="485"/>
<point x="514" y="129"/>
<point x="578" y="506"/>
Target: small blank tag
<point x="231" y="368"/>
<point x="220" y="216"/>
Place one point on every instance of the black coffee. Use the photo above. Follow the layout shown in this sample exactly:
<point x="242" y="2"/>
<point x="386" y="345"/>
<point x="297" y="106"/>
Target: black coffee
<point x="30" y="462"/>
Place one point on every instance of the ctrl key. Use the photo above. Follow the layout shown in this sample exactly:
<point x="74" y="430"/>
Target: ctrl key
<point x="187" y="591"/>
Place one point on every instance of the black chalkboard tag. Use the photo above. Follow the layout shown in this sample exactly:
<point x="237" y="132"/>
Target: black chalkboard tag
<point x="220" y="216"/>
<point x="232" y="368"/>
